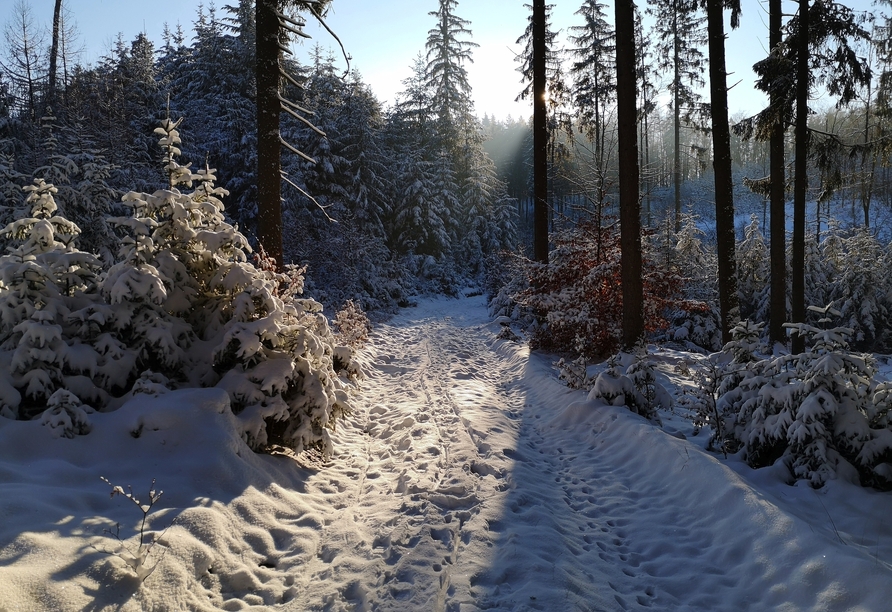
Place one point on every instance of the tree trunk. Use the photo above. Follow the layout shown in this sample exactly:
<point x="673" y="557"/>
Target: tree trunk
<point x="800" y="184"/>
<point x="778" y="247"/>
<point x="724" y="188"/>
<point x="540" y="137"/>
<point x="629" y="204"/>
<point x="54" y="54"/>
<point x="676" y="168"/>
<point x="269" y="151"/>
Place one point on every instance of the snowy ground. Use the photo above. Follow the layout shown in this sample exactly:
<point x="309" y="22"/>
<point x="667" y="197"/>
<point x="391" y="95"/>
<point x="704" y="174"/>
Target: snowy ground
<point x="468" y="479"/>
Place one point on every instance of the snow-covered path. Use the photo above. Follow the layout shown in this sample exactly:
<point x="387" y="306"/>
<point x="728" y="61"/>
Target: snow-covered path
<point x="414" y="503"/>
<point x="483" y="483"/>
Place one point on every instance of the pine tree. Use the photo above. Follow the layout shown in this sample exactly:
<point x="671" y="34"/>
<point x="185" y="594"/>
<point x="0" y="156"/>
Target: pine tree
<point x="753" y="270"/>
<point x="630" y="205"/>
<point x="445" y="74"/>
<point x="721" y="145"/>
<point x="817" y="51"/>
<point x="680" y="33"/>
<point x="594" y="75"/>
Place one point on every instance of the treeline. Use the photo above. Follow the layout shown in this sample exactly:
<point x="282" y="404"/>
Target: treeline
<point x="383" y="203"/>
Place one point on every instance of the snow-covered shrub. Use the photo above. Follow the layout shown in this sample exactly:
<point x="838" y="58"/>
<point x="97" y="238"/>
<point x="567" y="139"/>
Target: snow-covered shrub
<point x="695" y="320"/>
<point x="861" y="290"/>
<point x="66" y="416"/>
<point x="42" y="280"/>
<point x="199" y="302"/>
<point x="183" y="306"/>
<point x="642" y="373"/>
<point x="574" y="373"/>
<point x="629" y="380"/>
<point x="814" y="411"/>
<point x="352" y="326"/>
<point x="723" y="384"/>
<point x="753" y="273"/>
<point x="504" y="279"/>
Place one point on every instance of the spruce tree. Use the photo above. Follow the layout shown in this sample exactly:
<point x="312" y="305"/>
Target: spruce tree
<point x="680" y="34"/>
<point x="448" y="51"/>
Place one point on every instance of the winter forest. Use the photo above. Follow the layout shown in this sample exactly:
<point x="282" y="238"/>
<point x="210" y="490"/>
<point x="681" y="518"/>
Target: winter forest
<point x="210" y="247"/>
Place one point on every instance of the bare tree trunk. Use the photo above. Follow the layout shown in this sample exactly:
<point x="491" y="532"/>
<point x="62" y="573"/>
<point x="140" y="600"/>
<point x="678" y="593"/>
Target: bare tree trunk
<point x="800" y="184"/>
<point x="54" y="54"/>
<point x="724" y="188"/>
<point x="629" y="204"/>
<point x="676" y="168"/>
<point x="269" y="151"/>
<point x="540" y="137"/>
<point x="778" y="247"/>
<point x="867" y="177"/>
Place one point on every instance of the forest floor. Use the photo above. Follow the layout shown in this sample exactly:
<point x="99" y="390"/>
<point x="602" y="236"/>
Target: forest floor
<point x="468" y="478"/>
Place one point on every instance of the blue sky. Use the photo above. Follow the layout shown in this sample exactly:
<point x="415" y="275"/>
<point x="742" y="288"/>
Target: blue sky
<point x="384" y="36"/>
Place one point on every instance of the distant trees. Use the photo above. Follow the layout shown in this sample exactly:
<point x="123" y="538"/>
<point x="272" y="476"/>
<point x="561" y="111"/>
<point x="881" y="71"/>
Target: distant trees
<point x="680" y="35"/>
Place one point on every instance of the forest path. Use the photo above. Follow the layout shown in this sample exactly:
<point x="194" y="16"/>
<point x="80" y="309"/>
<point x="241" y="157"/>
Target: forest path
<point x="455" y="471"/>
<point x="470" y="478"/>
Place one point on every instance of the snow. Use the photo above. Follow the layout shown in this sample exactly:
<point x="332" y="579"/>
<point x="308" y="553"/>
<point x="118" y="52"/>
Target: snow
<point x="467" y="478"/>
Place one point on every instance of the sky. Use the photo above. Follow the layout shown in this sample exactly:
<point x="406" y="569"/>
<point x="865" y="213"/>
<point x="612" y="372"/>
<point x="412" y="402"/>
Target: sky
<point x="384" y="37"/>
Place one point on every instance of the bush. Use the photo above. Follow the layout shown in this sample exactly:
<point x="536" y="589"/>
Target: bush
<point x="183" y="303"/>
<point x="630" y="381"/>
<point x="352" y="326"/>
<point x="577" y="295"/>
<point x="823" y="412"/>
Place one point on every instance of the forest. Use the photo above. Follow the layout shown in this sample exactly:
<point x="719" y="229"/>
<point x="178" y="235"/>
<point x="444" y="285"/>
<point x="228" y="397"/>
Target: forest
<point x="629" y="352"/>
<point x="771" y="228"/>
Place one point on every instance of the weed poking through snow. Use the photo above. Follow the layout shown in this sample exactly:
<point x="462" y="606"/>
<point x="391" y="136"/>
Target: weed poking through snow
<point x="137" y="559"/>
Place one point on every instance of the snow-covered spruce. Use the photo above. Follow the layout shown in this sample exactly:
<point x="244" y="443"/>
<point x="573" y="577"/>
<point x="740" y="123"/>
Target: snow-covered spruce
<point x="629" y="381"/>
<point x="43" y="280"/>
<point x="821" y="412"/>
<point x="183" y="301"/>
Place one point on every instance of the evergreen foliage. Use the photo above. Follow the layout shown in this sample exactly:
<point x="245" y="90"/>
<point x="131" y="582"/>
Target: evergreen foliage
<point x="182" y="306"/>
<point x="816" y="411"/>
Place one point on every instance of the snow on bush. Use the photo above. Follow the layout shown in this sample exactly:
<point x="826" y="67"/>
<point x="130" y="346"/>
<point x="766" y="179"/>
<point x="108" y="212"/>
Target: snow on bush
<point x="822" y="413"/>
<point x="695" y="321"/>
<point x="630" y="381"/>
<point x="181" y="307"/>
<point x="43" y="280"/>
<point x="352" y="326"/>
<point x="66" y="416"/>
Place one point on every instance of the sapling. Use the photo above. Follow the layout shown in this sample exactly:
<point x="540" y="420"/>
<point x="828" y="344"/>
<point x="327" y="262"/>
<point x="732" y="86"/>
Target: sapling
<point x="137" y="560"/>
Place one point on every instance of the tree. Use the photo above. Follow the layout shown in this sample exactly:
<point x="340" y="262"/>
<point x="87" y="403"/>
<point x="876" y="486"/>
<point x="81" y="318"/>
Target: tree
<point x="446" y="76"/>
<point x="272" y="28"/>
<point x="594" y="75"/>
<point x="721" y="144"/>
<point x="647" y="93"/>
<point x="816" y="52"/>
<point x="777" y="195"/>
<point x="54" y="52"/>
<point x="629" y="204"/>
<point x="25" y="61"/>
<point x="680" y="33"/>
<point x="540" y="133"/>
<point x="820" y="43"/>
